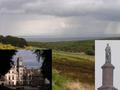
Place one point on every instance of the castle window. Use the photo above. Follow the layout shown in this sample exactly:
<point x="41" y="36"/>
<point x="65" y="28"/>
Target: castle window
<point x="21" y="70"/>
<point x="21" y="73"/>
<point x="12" y="83"/>
<point x="12" y="77"/>
<point x="9" y="83"/>
<point x="9" y="77"/>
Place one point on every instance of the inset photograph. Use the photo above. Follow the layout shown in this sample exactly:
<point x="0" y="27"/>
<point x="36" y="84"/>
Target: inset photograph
<point x="26" y="69"/>
<point x="107" y="67"/>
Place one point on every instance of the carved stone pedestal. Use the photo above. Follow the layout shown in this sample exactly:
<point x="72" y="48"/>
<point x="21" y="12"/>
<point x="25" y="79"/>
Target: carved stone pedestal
<point x="107" y="88"/>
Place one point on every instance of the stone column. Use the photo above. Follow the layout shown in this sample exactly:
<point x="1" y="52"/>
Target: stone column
<point x="107" y="74"/>
<point x="107" y="78"/>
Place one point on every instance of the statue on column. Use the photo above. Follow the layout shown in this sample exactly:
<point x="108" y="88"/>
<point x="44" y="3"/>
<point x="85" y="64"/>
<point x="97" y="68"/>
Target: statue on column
<point x="108" y="54"/>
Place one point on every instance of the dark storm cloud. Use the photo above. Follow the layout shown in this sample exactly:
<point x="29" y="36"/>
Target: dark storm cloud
<point x="94" y="8"/>
<point x="99" y="9"/>
<point x="69" y="17"/>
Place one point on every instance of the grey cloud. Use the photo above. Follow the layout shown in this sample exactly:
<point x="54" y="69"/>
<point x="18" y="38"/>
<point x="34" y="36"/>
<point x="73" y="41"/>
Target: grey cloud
<point x="63" y="7"/>
<point x="102" y="10"/>
<point x="105" y="10"/>
<point x="78" y="16"/>
<point x="84" y="26"/>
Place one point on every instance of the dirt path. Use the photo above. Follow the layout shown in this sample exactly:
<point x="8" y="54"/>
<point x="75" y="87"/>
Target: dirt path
<point x="79" y="86"/>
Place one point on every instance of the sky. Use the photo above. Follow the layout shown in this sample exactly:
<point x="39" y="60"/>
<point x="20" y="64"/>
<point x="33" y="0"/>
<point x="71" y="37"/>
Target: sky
<point x="28" y="57"/>
<point x="100" y="46"/>
<point x="59" y="18"/>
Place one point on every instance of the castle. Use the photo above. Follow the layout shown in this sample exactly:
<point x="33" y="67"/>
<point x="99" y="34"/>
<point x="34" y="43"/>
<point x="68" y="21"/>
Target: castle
<point x="15" y="74"/>
<point x="20" y="75"/>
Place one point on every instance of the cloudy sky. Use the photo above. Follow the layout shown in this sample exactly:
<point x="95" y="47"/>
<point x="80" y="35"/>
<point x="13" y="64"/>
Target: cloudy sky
<point x="28" y="57"/>
<point x="69" y="18"/>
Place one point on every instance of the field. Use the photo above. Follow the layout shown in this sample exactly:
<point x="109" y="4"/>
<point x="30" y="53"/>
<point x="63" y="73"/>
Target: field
<point x="72" y="68"/>
<point x="69" y="46"/>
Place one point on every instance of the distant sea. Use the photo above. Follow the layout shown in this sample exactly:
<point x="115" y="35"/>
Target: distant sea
<point x="46" y="38"/>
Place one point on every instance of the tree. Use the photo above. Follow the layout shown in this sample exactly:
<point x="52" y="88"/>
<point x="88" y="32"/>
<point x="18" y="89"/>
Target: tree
<point x="1" y="38"/>
<point x="6" y="60"/>
<point x="5" y="64"/>
<point x="15" y="41"/>
<point x="46" y="68"/>
<point x="90" y="52"/>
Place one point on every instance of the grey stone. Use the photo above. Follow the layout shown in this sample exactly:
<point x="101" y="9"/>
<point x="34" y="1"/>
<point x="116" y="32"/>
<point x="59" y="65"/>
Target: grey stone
<point x="107" y="72"/>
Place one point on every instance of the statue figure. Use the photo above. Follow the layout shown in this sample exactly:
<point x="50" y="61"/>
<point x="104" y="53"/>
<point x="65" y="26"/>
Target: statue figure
<point x="108" y="54"/>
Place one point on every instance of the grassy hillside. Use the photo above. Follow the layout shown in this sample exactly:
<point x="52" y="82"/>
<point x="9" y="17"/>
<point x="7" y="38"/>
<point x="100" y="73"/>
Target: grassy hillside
<point x="73" y="67"/>
<point x="70" y="46"/>
<point x="76" y="66"/>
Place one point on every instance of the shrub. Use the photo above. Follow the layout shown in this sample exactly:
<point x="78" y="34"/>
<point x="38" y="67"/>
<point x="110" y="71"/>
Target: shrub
<point x="90" y="52"/>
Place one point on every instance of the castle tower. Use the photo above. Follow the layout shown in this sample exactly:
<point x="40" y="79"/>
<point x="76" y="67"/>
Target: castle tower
<point x="107" y="71"/>
<point x="20" y="70"/>
<point x="19" y="62"/>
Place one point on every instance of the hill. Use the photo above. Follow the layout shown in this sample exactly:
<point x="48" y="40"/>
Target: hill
<point x="73" y="69"/>
<point x="69" y="46"/>
<point x="12" y="40"/>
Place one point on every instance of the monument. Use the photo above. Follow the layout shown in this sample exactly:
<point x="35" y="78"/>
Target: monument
<point x="107" y="71"/>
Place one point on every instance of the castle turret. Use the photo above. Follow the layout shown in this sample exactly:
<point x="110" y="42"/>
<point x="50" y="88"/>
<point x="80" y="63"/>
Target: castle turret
<point x="20" y="70"/>
<point x="19" y="62"/>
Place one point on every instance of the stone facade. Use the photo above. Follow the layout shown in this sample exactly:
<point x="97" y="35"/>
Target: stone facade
<point x="11" y="76"/>
<point x="21" y="75"/>
<point x="15" y="74"/>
